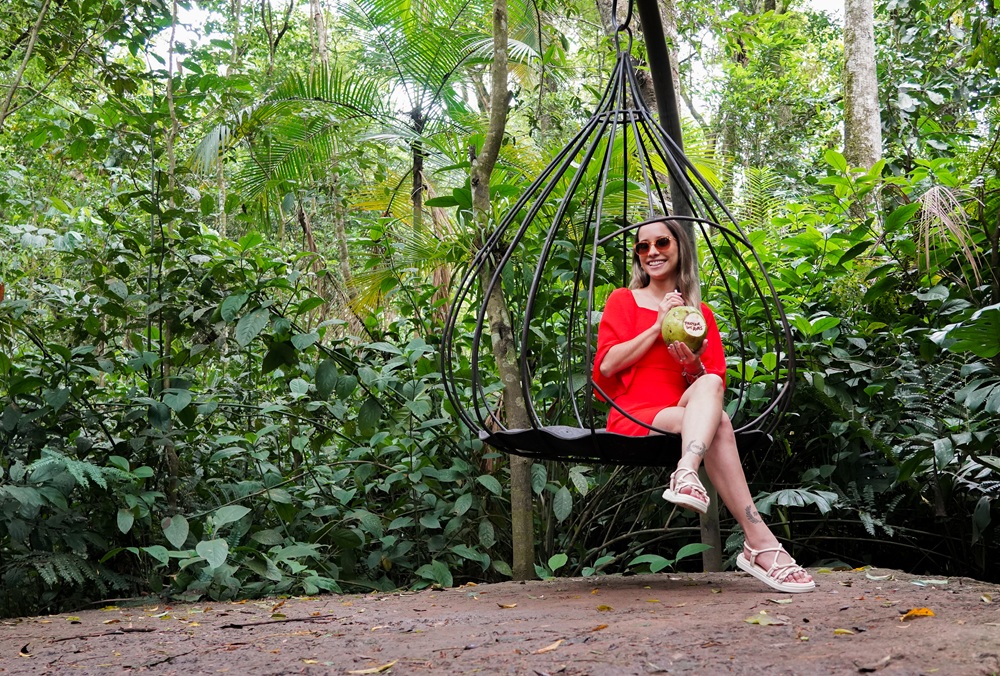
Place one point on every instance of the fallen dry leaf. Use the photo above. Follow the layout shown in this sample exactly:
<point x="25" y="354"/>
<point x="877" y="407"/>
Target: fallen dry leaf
<point x="924" y="583"/>
<point x="115" y="621"/>
<point x="24" y="651"/>
<point x="310" y="661"/>
<point x="548" y="648"/>
<point x="986" y="598"/>
<point x="843" y="632"/>
<point x="600" y="627"/>
<point x="106" y="609"/>
<point x="507" y="605"/>
<point x="880" y="578"/>
<point x="766" y="620"/>
<point x="780" y="601"/>
<point x="652" y="600"/>
<point x="595" y="591"/>
<point x="374" y="670"/>
<point x="916" y="612"/>
<point x="603" y="608"/>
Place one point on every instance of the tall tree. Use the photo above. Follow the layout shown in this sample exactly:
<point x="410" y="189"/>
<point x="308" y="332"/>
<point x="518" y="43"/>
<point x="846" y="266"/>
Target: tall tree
<point x="862" y="121"/>
<point x="522" y="522"/>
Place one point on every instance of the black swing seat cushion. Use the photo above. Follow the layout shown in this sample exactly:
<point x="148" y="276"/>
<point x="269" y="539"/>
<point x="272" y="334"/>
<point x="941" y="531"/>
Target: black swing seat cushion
<point x="560" y="442"/>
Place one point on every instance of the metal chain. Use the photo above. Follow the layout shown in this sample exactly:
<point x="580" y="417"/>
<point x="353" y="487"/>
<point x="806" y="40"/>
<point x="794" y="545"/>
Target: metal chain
<point x="624" y="26"/>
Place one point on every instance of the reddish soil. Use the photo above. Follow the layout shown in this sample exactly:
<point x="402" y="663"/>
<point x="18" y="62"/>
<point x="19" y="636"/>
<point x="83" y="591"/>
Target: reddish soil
<point x="645" y="624"/>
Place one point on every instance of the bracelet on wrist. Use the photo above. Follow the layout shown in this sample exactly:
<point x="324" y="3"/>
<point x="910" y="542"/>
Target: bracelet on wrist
<point x="691" y="377"/>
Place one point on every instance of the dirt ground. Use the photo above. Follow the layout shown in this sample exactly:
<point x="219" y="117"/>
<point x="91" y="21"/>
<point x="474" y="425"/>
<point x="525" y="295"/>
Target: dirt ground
<point x="710" y="623"/>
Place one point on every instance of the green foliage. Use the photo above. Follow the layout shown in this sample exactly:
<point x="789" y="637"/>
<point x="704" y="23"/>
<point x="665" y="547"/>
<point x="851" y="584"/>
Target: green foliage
<point x="191" y="405"/>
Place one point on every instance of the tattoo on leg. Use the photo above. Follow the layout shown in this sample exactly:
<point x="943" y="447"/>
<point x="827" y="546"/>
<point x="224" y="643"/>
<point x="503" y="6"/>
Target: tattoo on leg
<point x="752" y="514"/>
<point x="698" y="448"/>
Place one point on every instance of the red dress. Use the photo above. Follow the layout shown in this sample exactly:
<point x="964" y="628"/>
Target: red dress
<point x="656" y="381"/>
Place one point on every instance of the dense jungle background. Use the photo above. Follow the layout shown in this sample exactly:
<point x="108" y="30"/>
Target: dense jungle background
<point x="229" y="230"/>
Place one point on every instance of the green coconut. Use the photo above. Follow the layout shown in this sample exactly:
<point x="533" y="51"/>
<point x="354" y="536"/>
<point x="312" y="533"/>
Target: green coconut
<point x="685" y="324"/>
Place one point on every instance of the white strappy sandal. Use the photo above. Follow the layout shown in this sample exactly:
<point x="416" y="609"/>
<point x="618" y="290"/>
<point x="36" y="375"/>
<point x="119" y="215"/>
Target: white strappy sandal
<point x="775" y="576"/>
<point x="686" y="478"/>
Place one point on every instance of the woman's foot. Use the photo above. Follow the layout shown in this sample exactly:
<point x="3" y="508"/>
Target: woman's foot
<point x="687" y="490"/>
<point x="776" y="568"/>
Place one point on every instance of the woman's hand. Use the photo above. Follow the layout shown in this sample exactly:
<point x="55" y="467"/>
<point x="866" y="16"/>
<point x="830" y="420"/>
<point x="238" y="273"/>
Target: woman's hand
<point x="689" y="360"/>
<point x="669" y="302"/>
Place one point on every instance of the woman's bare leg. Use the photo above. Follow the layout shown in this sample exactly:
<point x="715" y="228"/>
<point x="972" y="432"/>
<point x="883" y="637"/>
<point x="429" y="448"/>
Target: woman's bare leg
<point x="722" y="462"/>
<point x="697" y="431"/>
<point x="708" y="436"/>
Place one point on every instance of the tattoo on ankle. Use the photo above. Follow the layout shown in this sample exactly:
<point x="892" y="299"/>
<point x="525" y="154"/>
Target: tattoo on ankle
<point x="698" y="448"/>
<point x="752" y="514"/>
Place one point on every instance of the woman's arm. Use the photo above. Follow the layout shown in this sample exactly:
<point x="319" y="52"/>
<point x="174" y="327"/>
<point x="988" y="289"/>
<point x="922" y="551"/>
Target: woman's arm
<point x="625" y="354"/>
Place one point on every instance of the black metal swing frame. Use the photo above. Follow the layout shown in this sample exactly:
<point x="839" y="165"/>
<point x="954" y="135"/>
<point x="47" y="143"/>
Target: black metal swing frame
<point x="622" y="116"/>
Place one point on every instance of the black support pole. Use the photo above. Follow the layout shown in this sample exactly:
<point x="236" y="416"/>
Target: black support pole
<point x="666" y="105"/>
<point x="663" y="86"/>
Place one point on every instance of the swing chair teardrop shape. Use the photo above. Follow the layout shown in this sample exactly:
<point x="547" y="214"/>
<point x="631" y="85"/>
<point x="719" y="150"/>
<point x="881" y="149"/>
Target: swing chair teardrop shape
<point x="553" y="261"/>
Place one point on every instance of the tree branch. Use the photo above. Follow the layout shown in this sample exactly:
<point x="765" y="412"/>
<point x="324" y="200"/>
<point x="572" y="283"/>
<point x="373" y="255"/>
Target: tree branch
<point x="28" y="51"/>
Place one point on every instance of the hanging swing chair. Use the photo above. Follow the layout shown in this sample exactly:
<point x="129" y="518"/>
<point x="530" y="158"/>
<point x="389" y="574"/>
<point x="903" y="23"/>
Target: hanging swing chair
<point x="556" y="257"/>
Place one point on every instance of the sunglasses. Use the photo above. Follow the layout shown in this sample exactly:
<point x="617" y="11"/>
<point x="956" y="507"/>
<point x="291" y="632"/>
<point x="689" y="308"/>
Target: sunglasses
<point x="661" y="244"/>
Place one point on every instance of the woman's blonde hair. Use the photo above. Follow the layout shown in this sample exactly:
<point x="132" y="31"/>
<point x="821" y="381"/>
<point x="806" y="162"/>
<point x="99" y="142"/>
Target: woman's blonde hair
<point x="688" y="281"/>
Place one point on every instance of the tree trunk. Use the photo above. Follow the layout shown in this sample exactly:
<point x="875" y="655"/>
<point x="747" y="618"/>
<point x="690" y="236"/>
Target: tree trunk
<point x="417" y="189"/>
<point x="319" y="25"/>
<point x="862" y="123"/>
<point x="28" y="51"/>
<point x="522" y="523"/>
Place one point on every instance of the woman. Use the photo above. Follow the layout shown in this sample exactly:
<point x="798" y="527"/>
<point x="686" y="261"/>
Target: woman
<point x="672" y="388"/>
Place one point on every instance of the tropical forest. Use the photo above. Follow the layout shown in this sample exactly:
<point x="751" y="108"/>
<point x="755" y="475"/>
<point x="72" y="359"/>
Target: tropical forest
<point x="233" y="363"/>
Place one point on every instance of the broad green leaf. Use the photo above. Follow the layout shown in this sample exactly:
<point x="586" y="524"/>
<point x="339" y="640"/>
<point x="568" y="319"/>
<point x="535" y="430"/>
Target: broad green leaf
<point x="229" y="514"/>
<point x="309" y="304"/>
<point x="562" y="504"/>
<point x="900" y="216"/>
<point x="823" y="324"/>
<point x="251" y="240"/>
<point x="271" y="536"/>
<point x="690" y="550"/>
<point x="980" y="518"/>
<point x="232" y="306"/>
<point x="503" y="568"/>
<point x="539" y="477"/>
<point x="303" y="340"/>
<point x="467" y="552"/>
<point x="557" y="561"/>
<point x="655" y="562"/>
<point x="175" y="528"/>
<point x="214" y="551"/>
<point x="250" y="326"/>
<point x="125" y="520"/>
<point x="463" y="504"/>
<point x="326" y="378"/>
<point x="346" y="386"/>
<point x="158" y="552"/>
<point x="298" y="386"/>
<point x="370" y="523"/>
<point x="490" y="483"/>
<point x="385" y="347"/>
<point x="369" y="414"/>
<point x="177" y="400"/>
<point x="436" y="571"/>
<point x="836" y="160"/>
<point x="487" y="534"/>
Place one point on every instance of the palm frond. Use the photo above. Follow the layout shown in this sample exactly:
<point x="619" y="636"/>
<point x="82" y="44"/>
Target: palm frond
<point x="944" y="226"/>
